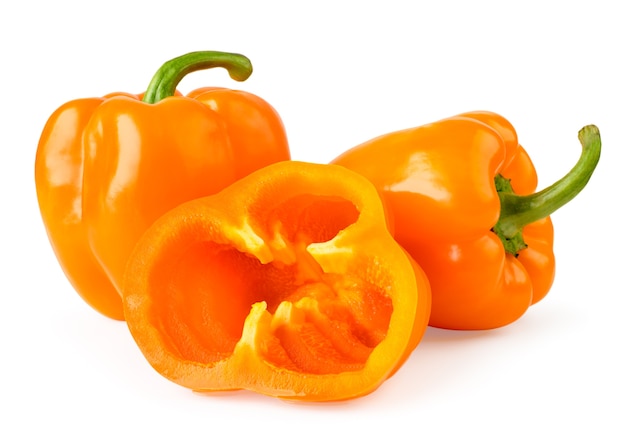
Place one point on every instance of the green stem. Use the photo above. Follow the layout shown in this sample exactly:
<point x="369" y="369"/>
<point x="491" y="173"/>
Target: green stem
<point x="165" y="80"/>
<point x="518" y="211"/>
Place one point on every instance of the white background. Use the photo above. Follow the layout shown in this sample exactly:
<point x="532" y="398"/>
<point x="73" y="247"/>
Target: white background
<point x="339" y="73"/>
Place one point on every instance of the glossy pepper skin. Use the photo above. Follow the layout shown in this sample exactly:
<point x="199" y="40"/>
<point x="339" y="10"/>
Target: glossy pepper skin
<point x="107" y="167"/>
<point x="460" y="191"/>
<point x="287" y="283"/>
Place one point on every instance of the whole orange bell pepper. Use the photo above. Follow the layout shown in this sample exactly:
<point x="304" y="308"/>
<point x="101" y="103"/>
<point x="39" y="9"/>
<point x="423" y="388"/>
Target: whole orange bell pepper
<point x="107" y="167"/>
<point x="461" y="194"/>
<point x="287" y="283"/>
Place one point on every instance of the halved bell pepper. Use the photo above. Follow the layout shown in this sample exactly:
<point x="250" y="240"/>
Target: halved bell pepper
<point x="287" y="283"/>
<point x="460" y="192"/>
<point x="107" y="167"/>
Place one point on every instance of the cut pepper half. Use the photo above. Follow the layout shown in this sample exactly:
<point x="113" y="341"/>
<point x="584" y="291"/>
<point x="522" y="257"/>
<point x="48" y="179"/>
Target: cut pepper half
<point x="286" y="283"/>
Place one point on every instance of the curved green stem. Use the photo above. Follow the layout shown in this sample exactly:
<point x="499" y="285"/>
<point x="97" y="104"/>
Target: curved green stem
<point x="518" y="211"/>
<point x="165" y="80"/>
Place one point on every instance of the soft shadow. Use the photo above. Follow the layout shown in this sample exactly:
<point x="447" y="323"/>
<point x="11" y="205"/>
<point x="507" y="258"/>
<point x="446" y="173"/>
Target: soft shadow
<point x="439" y="335"/>
<point x="253" y="397"/>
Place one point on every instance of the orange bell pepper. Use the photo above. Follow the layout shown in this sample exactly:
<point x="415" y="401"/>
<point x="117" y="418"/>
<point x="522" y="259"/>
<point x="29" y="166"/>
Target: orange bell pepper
<point x="107" y="167"/>
<point x="287" y="283"/>
<point x="461" y="194"/>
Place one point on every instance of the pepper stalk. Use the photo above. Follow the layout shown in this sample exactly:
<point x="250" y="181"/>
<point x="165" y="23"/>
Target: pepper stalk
<point x="169" y="75"/>
<point x="518" y="211"/>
